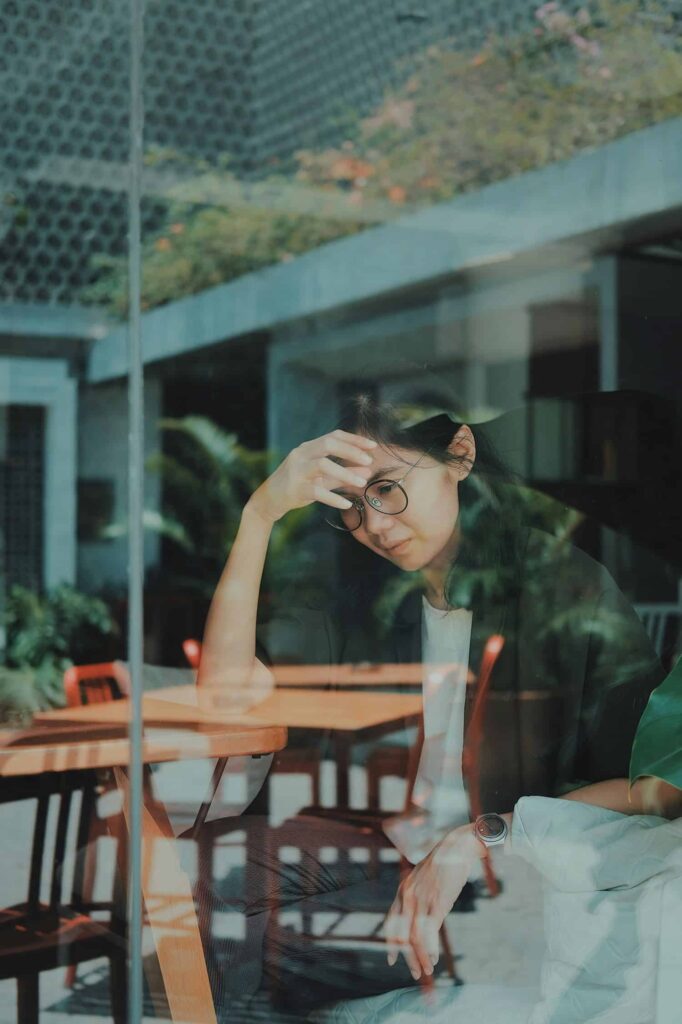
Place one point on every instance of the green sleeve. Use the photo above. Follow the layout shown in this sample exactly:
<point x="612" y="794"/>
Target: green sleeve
<point x="657" y="748"/>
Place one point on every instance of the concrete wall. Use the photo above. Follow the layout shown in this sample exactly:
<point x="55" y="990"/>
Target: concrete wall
<point x="560" y="214"/>
<point x="471" y="346"/>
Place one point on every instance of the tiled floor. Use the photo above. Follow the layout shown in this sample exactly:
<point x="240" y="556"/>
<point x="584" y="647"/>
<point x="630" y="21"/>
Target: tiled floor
<point x="500" y="941"/>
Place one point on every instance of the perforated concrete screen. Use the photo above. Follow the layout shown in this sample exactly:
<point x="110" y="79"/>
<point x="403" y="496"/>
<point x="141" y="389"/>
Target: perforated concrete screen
<point x="254" y="80"/>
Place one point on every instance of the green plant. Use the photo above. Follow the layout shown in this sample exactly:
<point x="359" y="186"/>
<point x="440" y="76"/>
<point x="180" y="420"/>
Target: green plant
<point x="45" y="635"/>
<point x="490" y="577"/>
<point x="208" y="477"/>
<point x="553" y="582"/>
<point x="199" y="245"/>
<point x="463" y="120"/>
<point x="20" y="696"/>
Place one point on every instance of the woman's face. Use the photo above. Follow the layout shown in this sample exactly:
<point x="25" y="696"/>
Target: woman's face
<point x="425" y="535"/>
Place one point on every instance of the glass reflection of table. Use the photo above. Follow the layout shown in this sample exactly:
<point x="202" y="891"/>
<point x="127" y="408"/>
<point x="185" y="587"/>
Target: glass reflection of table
<point x="93" y="738"/>
<point x="177" y="727"/>
<point x="348" y="716"/>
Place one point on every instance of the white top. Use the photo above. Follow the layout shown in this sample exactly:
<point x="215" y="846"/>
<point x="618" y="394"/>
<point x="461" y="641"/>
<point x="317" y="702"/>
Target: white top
<point x="439" y="785"/>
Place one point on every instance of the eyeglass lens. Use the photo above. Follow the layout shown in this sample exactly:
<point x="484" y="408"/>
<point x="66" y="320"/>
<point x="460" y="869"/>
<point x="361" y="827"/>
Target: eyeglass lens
<point x="385" y="496"/>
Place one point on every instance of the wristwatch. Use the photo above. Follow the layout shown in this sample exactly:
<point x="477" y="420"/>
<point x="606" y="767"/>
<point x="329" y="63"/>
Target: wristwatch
<point x="491" y="829"/>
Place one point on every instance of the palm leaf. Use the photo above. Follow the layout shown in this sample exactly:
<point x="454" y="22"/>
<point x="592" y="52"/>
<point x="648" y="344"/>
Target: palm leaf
<point x="174" y="473"/>
<point x="164" y="525"/>
<point x="216" y="444"/>
<point x="168" y="527"/>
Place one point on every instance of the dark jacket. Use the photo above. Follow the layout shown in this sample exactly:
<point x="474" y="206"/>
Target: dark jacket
<point x="567" y="691"/>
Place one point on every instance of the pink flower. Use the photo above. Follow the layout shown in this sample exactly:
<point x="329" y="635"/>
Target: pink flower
<point x="586" y="45"/>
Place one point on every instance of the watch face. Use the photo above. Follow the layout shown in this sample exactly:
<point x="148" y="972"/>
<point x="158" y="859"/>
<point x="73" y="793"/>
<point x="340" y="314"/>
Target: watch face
<point x="491" y="827"/>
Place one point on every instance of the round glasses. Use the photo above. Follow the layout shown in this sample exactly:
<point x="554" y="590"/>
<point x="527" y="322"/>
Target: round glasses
<point x="386" y="496"/>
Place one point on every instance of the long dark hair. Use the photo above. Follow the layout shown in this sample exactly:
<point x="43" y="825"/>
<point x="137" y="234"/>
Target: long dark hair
<point x="492" y="530"/>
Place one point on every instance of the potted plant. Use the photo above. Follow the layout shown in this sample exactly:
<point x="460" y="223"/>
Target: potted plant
<point x="46" y="633"/>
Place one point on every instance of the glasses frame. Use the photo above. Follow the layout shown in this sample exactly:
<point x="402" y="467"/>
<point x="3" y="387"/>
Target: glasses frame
<point x="362" y="500"/>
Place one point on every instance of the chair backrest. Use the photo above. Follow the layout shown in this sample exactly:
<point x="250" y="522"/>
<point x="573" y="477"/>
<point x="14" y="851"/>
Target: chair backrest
<point x="192" y="651"/>
<point x="96" y="684"/>
<point x="472" y="742"/>
<point x="473" y="738"/>
<point x="474" y="733"/>
<point x="662" y="622"/>
<point x="54" y="845"/>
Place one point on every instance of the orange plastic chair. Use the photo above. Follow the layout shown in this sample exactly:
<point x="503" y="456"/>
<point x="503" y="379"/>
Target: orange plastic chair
<point x="472" y="743"/>
<point x="96" y="684"/>
<point x="192" y="651"/>
<point x="403" y="763"/>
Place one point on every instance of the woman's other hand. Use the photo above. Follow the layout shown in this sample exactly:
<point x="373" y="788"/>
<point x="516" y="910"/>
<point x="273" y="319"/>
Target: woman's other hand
<point x="424" y="898"/>
<point x="308" y="474"/>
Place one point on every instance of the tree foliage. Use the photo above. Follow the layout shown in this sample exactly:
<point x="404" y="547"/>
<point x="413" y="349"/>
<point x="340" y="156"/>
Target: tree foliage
<point x="466" y="119"/>
<point x="461" y="120"/>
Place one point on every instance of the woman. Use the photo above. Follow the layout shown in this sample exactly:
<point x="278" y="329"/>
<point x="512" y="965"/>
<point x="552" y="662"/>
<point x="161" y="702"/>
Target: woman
<point x="431" y="499"/>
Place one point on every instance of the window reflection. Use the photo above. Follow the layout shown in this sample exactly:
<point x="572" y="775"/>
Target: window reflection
<point x="453" y="231"/>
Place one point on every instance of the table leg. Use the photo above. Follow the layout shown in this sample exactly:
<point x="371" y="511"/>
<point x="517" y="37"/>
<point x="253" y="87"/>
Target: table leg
<point x="342" y="751"/>
<point x="171" y="915"/>
<point x="216" y="778"/>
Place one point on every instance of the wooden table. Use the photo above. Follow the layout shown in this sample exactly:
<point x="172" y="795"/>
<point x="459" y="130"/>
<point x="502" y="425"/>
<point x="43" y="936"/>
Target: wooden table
<point x="348" y="716"/>
<point x="94" y="737"/>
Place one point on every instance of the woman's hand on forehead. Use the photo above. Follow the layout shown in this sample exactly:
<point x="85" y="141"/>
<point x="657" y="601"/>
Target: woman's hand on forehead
<point x="314" y="472"/>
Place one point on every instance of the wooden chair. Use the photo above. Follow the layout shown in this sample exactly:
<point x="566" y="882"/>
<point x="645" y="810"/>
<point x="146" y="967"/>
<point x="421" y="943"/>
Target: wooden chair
<point x="472" y="744"/>
<point x="95" y="684"/>
<point x="404" y="761"/>
<point x="398" y="761"/>
<point x="192" y="651"/>
<point x="42" y="934"/>
<point x="368" y="822"/>
<point x="663" y="623"/>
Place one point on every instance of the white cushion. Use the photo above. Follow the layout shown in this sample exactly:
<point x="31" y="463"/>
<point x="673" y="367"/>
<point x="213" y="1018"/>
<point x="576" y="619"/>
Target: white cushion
<point x="613" y="924"/>
<point x="613" y="921"/>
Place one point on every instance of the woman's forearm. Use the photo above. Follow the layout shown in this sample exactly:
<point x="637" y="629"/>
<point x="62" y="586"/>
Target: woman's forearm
<point x="229" y="648"/>
<point x="646" y="796"/>
<point x="309" y="473"/>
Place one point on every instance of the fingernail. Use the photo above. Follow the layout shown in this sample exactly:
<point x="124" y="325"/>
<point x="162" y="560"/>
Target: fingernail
<point x="415" y="975"/>
<point x="366" y="459"/>
<point x="359" y="481"/>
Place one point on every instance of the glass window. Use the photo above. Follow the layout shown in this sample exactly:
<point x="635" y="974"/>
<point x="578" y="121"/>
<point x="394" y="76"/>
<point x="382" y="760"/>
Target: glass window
<point x="411" y="271"/>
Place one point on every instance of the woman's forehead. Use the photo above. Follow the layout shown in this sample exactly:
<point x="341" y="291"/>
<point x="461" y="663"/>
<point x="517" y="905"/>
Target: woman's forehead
<point x="391" y="458"/>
